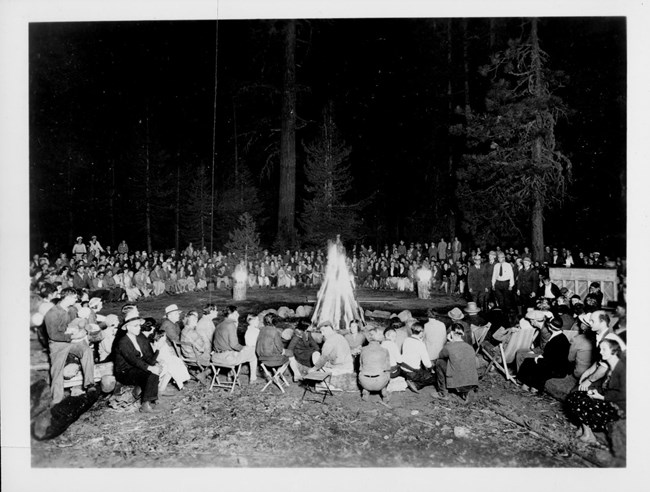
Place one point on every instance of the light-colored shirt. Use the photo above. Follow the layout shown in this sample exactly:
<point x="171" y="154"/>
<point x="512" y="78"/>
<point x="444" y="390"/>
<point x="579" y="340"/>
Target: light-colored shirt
<point x="435" y="337"/>
<point x="503" y="272"/>
<point x="393" y="351"/>
<point x="336" y="353"/>
<point x="415" y="352"/>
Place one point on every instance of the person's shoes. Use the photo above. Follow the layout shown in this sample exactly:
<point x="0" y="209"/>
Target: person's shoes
<point x="441" y="395"/>
<point x="92" y="389"/>
<point x="137" y="391"/>
<point x="364" y="395"/>
<point x="147" y="407"/>
<point x="386" y="396"/>
<point x="412" y="386"/>
<point x="168" y="392"/>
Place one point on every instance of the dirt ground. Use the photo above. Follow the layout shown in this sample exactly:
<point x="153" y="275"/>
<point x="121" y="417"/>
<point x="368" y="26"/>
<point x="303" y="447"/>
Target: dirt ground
<point x="250" y="428"/>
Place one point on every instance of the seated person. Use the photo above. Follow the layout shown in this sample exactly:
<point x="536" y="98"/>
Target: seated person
<point x="57" y="319"/>
<point x="374" y="366"/>
<point x="416" y="366"/>
<point x="354" y="338"/>
<point x="252" y="331"/>
<point x="393" y="351"/>
<point x="548" y="289"/>
<point x="269" y="347"/>
<point x="595" y="408"/>
<point x="302" y="350"/>
<point x="229" y="352"/>
<point x="594" y="299"/>
<point x="172" y="366"/>
<point x="135" y="363"/>
<point x="581" y="350"/>
<point x="551" y="363"/>
<point x="456" y="366"/>
<point x="335" y="356"/>
<point x="108" y="336"/>
<point x="540" y="321"/>
<point x="435" y="335"/>
<point x="193" y="345"/>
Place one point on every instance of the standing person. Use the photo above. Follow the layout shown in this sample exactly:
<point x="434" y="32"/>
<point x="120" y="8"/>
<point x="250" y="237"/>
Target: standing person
<point x="456" y="248"/>
<point x="94" y="248"/>
<point x="79" y="249"/>
<point x="442" y="250"/>
<point x="135" y="363"/>
<point x="123" y="248"/>
<point x="456" y="366"/>
<point x="503" y="281"/>
<point x="477" y="283"/>
<point x="489" y="271"/>
<point x="527" y="283"/>
<point x="57" y="320"/>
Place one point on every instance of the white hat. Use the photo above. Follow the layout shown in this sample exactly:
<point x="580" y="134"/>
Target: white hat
<point x="171" y="308"/>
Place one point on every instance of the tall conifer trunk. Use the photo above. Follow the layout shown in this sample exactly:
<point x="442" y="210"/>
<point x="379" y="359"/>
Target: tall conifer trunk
<point x="287" y="188"/>
<point x="537" y="219"/>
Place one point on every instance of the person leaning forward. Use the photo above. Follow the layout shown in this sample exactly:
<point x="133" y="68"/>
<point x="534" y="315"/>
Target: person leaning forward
<point x="57" y="320"/>
<point x="228" y="351"/>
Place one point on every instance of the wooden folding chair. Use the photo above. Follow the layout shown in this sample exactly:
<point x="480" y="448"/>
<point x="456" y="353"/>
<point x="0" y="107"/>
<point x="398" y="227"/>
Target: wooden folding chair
<point x="232" y="376"/>
<point x="478" y="335"/>
<point x="275" y="375"/>
<point x="310" y="380"/>
<point x="521" y="338"/>
<point x="190" y="362"/>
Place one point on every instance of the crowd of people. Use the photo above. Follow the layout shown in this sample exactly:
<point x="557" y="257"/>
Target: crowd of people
<point x="508" y="292"/>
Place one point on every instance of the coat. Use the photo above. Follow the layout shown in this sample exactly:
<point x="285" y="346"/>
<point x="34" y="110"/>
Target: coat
<point x="127" y="357"/>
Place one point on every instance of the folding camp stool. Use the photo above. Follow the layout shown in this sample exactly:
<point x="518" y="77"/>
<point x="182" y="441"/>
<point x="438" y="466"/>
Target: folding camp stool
<point x="276" y="376"/>
<point x="312" y="379"/>
<point x="233" y="371"/>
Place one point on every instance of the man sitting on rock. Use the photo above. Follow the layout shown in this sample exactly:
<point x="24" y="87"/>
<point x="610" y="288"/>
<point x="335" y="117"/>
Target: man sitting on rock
<point x="374" y="367"/>
<point x="456" y="366"/>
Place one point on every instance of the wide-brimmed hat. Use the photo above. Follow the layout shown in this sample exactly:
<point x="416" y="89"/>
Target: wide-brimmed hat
<point x="535" y="315"/>
<point x="456" y="314"/>
<point x="472" y="308"/>
<point x="132" y="317"/>
<point x="171" y="308"/>
<point x="94" y="302"/>
<point x="112" y="320"/>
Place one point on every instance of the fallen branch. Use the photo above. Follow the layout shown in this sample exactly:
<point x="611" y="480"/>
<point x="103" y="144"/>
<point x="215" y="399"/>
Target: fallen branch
<point x="547" y="434"/>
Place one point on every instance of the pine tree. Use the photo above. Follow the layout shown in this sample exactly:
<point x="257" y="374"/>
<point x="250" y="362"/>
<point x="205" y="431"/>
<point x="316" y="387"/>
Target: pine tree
<point x="512" y="170"/>
<point x="245" y="240"/>
<point x="328" y="175"/>
<point x="196" y="210"/>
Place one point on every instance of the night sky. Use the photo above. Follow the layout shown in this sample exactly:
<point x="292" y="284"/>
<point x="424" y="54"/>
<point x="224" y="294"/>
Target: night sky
<point x="100" y="92"/>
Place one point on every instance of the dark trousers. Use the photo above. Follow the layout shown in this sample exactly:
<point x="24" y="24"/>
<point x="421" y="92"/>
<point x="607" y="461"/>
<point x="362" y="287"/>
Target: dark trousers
<point x="481" y="299"/>
<point x="503" y="294"/>
<point x="421" y="377"/>
<point x="145" y="379"/>
<point x="441" y="379"/>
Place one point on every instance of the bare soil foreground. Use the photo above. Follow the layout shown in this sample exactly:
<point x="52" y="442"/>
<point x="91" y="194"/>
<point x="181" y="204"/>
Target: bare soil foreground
<point x="502" y="427"/>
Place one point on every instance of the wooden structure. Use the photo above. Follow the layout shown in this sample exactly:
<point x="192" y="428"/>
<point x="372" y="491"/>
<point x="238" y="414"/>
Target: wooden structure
<point x="578" y="280"/>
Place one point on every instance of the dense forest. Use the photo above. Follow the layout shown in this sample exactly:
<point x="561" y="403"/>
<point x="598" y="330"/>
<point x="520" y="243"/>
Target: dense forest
<point x="161" y="133"/>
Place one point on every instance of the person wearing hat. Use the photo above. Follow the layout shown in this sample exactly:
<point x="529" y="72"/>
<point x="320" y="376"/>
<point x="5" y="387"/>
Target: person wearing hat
<point x="57" y="319"/>
<point x="477" y="282"/>
<point x="527" y="283"/>
<point x="539" y="320"/>
<point x="170" y="323"/>
<point x="136" y="364"/>
<point x="551" y="363"/>
<point x="79" y="249"/>
<point x="594" y="299"/>
<point x="548" y="290"/>
<point x="94" y="248"/>
<point x="457" y="316"/>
